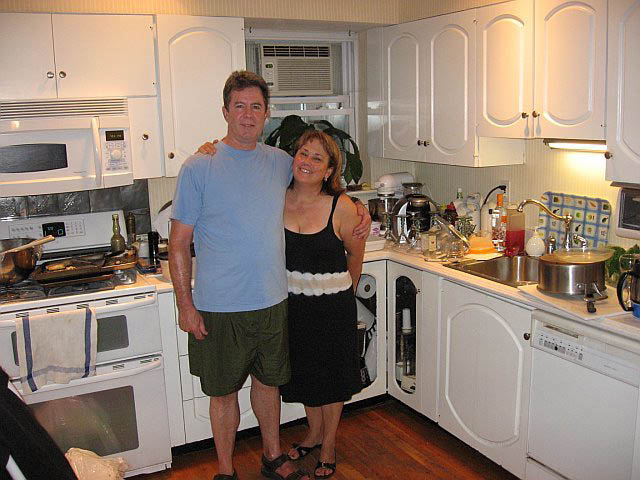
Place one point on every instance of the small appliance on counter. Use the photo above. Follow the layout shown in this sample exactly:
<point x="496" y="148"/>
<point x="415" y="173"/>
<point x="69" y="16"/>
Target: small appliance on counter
<point x="392" y="182"/>
<point x="626" y="216"/>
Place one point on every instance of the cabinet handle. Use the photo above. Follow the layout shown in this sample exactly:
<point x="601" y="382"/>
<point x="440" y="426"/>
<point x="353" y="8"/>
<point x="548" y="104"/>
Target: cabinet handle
<point x="50" y="75"/>
<point x="145" y="136"/>
<point x="525" y="115"/>
<point x="171" y="155"/>
<point x="607" y="155"/>
<point x="527" y="336"/>
<point x="535" y="114"/>
<point x="62" y="74"/>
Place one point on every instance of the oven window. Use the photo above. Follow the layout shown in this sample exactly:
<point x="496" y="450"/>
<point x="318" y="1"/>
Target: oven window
<point x="36" y="157"/>
<point x="103" y="422"/>
<point x="112" y="333"/>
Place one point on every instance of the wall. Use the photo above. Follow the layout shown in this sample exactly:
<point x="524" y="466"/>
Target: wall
<point x="544" y="170"/>
<point x="357" y="11"/>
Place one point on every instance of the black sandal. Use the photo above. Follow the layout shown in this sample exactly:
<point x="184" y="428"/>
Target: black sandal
<point x="222" y="476"/>
<point x="302" y="451"/>
<point x="326" y="466"/>
<point x="269" y="468"/>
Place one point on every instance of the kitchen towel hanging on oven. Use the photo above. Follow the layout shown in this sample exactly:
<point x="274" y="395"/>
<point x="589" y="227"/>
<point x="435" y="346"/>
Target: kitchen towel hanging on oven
<point x="56" y="347"/>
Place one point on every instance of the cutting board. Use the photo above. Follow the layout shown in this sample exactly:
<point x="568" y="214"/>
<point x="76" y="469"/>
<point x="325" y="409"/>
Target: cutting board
<point x="591" y="217"/>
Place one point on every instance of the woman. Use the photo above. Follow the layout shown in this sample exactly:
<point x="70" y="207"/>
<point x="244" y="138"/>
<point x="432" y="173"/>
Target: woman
<point x="318" y="222"/>
<point x="324" y="262"/>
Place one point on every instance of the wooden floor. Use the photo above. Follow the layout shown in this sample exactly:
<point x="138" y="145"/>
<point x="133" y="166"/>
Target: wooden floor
<point x="383" y="441"/>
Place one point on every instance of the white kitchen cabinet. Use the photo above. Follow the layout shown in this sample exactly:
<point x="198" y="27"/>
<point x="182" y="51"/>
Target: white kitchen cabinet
<point x="559" y="92"/>
<point x="145" y="135"/>
<point x="485" y="369"/>
<point x="73" y="56"/>
<point x="372" y="310"/>
<point x="504" y="52"/>
<point x="429" y="95"/>
<point x="171" y="367"/>
<point x="449" y="73"/>
<point x="403" y="52"/>
<point x="570" y="69"/>
<point x="430" y="345"/>
<point x="623" y="97"/>
<point x="404" y="320"/>
<point x="31" y="73"/>
<point x="195" y="57"/>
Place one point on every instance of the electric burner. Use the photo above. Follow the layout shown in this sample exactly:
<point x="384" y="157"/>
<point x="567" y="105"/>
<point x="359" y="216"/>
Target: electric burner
<point x="25" y="290"/>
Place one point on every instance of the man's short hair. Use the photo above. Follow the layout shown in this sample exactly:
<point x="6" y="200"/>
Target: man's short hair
<point x="241" y="79"/>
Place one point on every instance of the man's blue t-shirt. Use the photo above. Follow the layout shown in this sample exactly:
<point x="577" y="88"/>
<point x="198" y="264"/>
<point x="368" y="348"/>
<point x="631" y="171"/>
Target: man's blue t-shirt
<point x="235" y="202"/>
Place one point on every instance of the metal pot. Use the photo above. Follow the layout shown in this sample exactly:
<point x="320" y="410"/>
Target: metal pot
<point x="571" y="279"/>
<point x="17" y="266"/>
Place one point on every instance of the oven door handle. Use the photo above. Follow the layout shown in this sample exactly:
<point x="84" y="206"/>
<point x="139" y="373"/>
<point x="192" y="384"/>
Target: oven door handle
<point x="118" y="307"/>
<point x="101" y="310"/>
<point x="152" y="364"/>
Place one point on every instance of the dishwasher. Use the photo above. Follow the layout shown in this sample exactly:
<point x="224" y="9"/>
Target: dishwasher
<point x="584" y="403"/>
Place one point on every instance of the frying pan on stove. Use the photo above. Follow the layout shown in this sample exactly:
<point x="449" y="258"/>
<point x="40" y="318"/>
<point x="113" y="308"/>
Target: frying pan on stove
<point x="82" y="266"/>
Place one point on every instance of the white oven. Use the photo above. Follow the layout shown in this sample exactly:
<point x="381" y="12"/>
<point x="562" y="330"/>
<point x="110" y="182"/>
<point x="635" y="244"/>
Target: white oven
<point x="128" y="325"/>
<point x="61" y="146"/>
<point x="121" y="411"/>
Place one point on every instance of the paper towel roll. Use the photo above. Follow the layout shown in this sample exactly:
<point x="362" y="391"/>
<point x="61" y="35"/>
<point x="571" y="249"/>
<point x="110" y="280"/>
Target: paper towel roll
<point x="366" y="287"/>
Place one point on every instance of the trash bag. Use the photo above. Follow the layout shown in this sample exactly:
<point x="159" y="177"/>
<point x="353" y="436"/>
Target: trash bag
<point x="89" y="466"/>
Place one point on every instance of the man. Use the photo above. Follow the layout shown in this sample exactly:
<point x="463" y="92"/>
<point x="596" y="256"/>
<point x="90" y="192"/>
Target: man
<point x="231" y="207"/>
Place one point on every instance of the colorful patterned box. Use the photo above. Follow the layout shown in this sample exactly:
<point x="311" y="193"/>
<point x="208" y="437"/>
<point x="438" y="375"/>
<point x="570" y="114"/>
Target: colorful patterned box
<point x="591" y="217"/>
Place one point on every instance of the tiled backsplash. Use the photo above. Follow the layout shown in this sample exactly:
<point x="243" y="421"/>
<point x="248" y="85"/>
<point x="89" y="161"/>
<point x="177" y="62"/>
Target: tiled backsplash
<point x="130" y="198"/>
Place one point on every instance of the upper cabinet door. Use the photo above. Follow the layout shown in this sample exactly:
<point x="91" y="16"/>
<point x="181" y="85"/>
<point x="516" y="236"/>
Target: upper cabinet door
<point x="449" y="87"/>
<point x="505" y="70"/>
<point x="26" y="56"/>
<point x="403" y="131"/>
<point x="104" y="55"/>
<point x="570" y="65"/>
<point x="623" y="98"/>
<point x="196" y="55"/>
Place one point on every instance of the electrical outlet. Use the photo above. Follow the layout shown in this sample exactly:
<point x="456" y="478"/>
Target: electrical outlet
<point x="507" y="194"/>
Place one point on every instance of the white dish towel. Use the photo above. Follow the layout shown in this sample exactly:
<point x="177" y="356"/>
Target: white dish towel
<point x="56" y="347"/>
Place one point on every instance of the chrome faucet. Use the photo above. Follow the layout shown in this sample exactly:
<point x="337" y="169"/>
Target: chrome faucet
<point x="567" y="219"/>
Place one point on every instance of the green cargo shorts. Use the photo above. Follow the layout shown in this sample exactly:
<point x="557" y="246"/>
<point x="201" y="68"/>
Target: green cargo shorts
<point x="238" y="344"/>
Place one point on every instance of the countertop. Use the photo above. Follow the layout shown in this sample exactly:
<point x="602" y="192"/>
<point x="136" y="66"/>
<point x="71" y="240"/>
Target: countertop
<point x="622" y="328"/>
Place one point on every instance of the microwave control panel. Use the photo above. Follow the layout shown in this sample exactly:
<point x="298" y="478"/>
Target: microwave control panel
<point x="114" y="150"/>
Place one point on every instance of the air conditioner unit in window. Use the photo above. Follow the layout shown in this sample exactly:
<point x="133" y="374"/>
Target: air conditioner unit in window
<point x="297" y="70"/>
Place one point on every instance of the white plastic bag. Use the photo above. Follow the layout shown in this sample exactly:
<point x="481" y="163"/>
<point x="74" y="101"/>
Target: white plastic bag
<point x="89" y="466"/>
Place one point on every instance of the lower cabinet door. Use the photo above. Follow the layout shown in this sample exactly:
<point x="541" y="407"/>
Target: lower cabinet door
<point x="485" y="374"/>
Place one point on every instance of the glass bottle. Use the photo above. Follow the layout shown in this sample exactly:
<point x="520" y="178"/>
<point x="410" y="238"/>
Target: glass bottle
<point x="499" y="224"/>
<point x="117" y="240"/>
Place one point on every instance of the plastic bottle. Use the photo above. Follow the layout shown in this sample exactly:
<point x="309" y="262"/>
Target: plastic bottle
<point x="499" y="224"/>
<point x="485" y="216"/>
<point x="459" y="195"/>
<point x="514" y="238"/>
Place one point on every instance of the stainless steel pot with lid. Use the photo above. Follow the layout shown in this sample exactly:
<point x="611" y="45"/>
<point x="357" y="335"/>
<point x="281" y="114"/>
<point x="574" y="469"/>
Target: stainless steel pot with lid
<point x="575" y="271"/>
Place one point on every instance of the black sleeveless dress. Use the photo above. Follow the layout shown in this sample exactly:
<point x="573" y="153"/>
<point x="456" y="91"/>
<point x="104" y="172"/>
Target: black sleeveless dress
<point x="325" y="365"/>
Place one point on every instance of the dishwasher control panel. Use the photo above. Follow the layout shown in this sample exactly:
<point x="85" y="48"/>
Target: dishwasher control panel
<point x="588" y="352"/>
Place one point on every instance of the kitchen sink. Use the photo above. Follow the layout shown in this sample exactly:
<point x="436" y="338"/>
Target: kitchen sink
<point x="513" y="271"/>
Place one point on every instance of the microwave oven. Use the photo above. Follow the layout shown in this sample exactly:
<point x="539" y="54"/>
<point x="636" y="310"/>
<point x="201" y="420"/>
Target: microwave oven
<point x="62" y="146"/>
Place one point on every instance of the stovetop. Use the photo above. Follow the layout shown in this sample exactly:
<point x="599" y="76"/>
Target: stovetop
<point x="29" y="295"/>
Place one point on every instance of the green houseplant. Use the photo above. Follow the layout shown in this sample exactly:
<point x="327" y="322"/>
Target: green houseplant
<point x="292" y="126"/>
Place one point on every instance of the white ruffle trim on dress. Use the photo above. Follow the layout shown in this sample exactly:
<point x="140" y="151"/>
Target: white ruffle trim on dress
<point x="317" y="284"/>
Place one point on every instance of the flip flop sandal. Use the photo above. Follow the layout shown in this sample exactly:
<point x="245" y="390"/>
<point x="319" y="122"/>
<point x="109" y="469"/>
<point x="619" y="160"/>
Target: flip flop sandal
<point x="302" y="451"/>
<point x="269" y="468"/>
<point x="222" y="476"/>
<point x="326" y="466"/>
